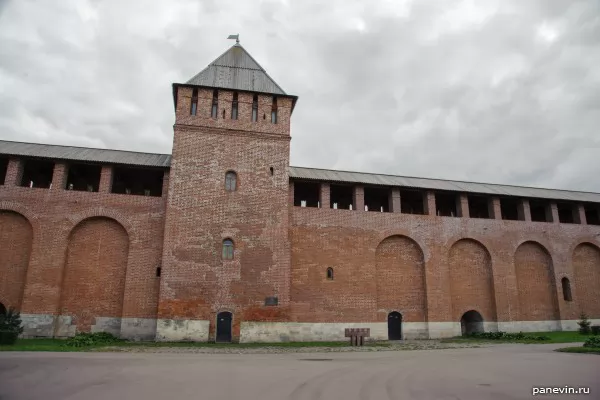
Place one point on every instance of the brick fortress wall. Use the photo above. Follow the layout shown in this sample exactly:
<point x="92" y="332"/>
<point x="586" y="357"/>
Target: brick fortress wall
<point x="75" y="260"/>
<point x="434" y="269"/>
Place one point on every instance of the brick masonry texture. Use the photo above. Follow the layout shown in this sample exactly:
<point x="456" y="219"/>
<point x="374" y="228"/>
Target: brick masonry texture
<point x="95" y="268"/>
<point x="196" y="283"/>
<point x="505" y="270"/>
<point x="88" y="260"/>
<point x="94" y="252"/>
<point x="471" y="280"/>
<point x="15" y="241"/>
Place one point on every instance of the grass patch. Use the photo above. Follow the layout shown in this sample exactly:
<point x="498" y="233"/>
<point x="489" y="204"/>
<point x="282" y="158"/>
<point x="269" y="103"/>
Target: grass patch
<point x="39" y="345"/>
<point x="590" y="350"/>
<point x="60" y="345"/>
<point x="555" y="337"/>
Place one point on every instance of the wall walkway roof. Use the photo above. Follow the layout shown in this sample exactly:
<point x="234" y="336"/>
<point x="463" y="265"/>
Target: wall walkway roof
<point x="72" y="153"/>
<point x="105" y="156"/>
<point x="439" y="184"/>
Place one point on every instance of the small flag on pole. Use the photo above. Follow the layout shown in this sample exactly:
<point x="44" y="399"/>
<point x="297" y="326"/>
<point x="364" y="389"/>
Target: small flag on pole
<point x="236" y="37"/>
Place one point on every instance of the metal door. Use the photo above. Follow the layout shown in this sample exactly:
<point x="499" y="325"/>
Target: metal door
<point x="224" y="326"/>
<point x="394" y="326"/>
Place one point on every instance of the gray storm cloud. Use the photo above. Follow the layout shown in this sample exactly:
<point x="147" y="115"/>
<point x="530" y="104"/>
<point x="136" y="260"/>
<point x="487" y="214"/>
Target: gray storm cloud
<point x="494" y="91"/>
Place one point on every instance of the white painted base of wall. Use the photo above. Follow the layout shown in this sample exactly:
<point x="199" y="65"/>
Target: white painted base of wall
<point x="529" y="326"/>
<point x="571" y="325"/>
<point x="138" y="328"/>
<point x="275" y="332"/>
<point x="45" y="325"/>
<point x="182" y="330"/>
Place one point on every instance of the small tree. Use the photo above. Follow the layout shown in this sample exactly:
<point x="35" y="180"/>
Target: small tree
<point x="584" y="324"/>
<point x="10" y="326"/>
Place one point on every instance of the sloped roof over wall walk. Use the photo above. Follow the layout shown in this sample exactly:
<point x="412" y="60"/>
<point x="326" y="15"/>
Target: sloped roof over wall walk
<point x="71" y="153"/>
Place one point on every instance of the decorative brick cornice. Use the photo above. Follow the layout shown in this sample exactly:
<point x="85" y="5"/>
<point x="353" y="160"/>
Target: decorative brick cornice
<point x="229" y="132"/>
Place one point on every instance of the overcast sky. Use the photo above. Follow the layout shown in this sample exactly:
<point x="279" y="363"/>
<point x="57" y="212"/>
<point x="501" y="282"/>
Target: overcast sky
<point x="494" y="91"/>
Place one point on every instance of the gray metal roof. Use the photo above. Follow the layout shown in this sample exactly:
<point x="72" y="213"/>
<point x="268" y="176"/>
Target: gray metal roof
<point x="439" y="184"/>
<point x="164" y="161"/>
<point x="84" y="154"/>
<point x="236" y="69"/>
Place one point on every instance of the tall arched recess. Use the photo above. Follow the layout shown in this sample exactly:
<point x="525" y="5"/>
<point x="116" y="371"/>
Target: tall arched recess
<point x="94" y="276"/>
<point x="16" y="235"/>
<point x="401" y="278"/>
<point x="471" y="280"/>
<point x="535" y="283"/>
<point x="586" y="267"/>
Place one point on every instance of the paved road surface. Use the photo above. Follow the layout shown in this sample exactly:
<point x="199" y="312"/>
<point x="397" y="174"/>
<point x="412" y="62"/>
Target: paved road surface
<point x="498" y="372"/>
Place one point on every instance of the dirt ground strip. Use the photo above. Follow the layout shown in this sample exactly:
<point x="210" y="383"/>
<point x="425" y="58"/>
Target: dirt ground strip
<point x="382" y="346"/>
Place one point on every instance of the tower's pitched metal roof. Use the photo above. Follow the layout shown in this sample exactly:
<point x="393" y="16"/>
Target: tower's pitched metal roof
<point x="237" y="70"/>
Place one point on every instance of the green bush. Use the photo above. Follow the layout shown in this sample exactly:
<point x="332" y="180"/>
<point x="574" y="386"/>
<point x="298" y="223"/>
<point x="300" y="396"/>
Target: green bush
<point x="91" y="339"/>
<point x="487" y="335"/>
<point x="593" y="341"/>
<point x="596" y="330"/>
<point x="10" y="326"/>
<point x="584" y="324"/>
<point x="507" y="336"/>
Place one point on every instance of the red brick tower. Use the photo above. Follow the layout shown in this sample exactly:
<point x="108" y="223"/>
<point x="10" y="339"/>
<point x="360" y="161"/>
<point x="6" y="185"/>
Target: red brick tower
<point x="226" y="256"/>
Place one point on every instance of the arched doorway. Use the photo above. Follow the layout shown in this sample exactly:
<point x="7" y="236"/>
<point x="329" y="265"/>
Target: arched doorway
<point x="471" y="322"/>
<point x="224" y="326"/>
<point x="394" y="326"/>
<point x="2" y="309"/>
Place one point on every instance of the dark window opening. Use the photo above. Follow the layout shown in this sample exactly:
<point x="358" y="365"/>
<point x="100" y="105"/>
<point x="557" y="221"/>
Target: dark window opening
<point x="341" y="197"/>
<point x="137" y="181"/>
<point x="377" y="199"/>
<point x="194" y="106"/>
<point x="330" y="273"/>
<point x="215" y="104"/>
<point x="411" y="202"/>
<point x="84" y="177"/>
<point x="274" y="111"/>
<point x="158" y="271"/>
<point x="271" y="301"/>
<point x="445" y="205"/>
<point x="271" y="170"/>
<point x="566" y="287"/>
<point x="592" y="214"/>
<point x="509" y="208"/>
<point x="223" y="114"/>
<point x="255" y="108"/>
<point x="539" y="211"/>
<point x="227" y="249"/>
<point x="264" y="116"/>
<point x="230" y="181"/>
<point x="565" y="213"/>
<point x="234" y="106"/>
<point x="478" y="207"/>
<point x="3" y="169"/>
<point x="37" y="173"/>
<point x="306" y="194"/>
